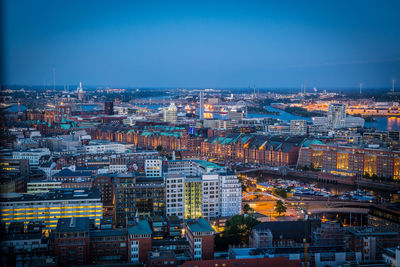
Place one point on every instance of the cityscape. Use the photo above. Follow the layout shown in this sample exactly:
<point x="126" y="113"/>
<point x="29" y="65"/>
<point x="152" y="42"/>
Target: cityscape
<point x="137" y="133"/>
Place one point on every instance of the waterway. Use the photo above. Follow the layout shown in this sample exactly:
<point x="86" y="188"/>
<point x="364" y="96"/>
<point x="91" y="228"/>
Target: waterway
<point x="383" y="124"/>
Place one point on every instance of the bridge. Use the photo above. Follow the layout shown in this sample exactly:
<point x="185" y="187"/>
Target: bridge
<point x="258" y="169"/>
<point x="264" y="194"/>
<point x="338" y="210"/>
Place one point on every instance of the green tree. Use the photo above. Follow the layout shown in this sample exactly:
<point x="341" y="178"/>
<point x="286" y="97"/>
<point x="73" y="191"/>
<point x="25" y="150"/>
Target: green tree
<point x="159" y="148"/>
<point x="281" y="192"/>
<point x="244" y="188"/>
<point x="247" y="209"/>
<point x="280" y="207"/>
<point x="238" y="228"/>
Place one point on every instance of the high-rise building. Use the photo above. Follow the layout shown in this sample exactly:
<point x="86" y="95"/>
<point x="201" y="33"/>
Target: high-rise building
<point x="109" y="108"/>
<point x="150" y="196"/>
<point x="230" y="194"/>
<point x="210" y="195"/>
<point x="81" y="93"/>
<point x="193" y="198"/>
<point x="336" y="115"/>
<point x="170" y="113"/>
<point x="125" y="205"/>
<point x="201" y="108"/>
<point x="175" y="195"/>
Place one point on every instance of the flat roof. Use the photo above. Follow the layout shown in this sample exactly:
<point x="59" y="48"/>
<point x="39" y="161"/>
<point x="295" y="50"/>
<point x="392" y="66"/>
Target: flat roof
<point x="141" y="228"/>
<point x="55" y="194"/>
<point x="199" y="225"/>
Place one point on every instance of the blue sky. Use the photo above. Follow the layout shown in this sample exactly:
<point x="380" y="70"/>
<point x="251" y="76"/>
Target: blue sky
<point x="272" y="44"/>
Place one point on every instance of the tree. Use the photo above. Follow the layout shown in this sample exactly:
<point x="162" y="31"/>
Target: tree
<point x="260" y="179"/>
<point x="281" y="192"/>
<point x="247" y="209"/>
<point x="159" y="148"/>
<point x="237" y="229"/>
<point x="244" y="188"/>
<point x="280" y="207"/>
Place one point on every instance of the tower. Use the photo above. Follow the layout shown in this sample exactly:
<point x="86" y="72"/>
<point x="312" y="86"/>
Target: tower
<point x="360" y="88"/>
<point x="393" y="86"/>
<point x="201" y="106"/>
<point x="81" y="93"/>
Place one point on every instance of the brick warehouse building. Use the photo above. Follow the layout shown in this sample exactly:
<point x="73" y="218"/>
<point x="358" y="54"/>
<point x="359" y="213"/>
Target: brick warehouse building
<point x="169" y="137"/>
<point x="351" y="160"/>
<point x="262" y="149"/>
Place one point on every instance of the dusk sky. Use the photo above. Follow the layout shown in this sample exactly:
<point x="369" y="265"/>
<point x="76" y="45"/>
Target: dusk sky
<point x="202" y="44"/>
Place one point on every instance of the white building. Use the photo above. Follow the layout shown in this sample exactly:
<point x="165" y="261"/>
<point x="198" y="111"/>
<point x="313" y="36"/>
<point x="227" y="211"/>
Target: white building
<point x="32" y="155"/>
<point x="103" y="147"/>
<point x="42" y="186"/>
<point x="298" y="127"/>
<point x="230" y="195"/>
<point x="175" y="195"/>
<point x="170" y="113"/>
<point x="352" y="122"/>
<point x="194" y="167"/>
<point x="210" y="196"/>
<point x="221" y="191"/>
<point x="336" y="115"/>
<point x="320" y="121"/>
<point x="153" y="167"/>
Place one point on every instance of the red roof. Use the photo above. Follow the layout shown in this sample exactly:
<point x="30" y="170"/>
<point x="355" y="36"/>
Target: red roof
<point x="271" y="262"/>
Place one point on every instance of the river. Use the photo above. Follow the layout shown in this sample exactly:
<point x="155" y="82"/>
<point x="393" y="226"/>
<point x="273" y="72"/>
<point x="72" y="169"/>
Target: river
<point x="383" y="124"/>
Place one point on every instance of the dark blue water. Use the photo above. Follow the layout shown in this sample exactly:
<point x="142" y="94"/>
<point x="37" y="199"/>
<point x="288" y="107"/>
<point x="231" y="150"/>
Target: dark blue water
<point x="88" y="107"/>
<point x="383" y="124"/>
<point x="14" y="108"/>
<point x="284" y="116"/>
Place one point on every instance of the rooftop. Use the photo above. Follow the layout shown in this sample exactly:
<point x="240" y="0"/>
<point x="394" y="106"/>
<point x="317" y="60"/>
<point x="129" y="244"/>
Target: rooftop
<point x="199" y="225"/>
<point x="108" y="232"/>
<point x="73" y="224"/>
<point x="271" y="262"/>
<point x="56" y="194"/>
<point x="141" y="228"/>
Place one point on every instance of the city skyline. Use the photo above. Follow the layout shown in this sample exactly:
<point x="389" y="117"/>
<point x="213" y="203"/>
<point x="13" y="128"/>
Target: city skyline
<point x="203" y="45"/>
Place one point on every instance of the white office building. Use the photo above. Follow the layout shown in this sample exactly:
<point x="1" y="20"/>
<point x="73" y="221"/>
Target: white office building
<point x="210" y="195"/>
<point x="230" y="195"/>
<point x="175" y="195"/>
